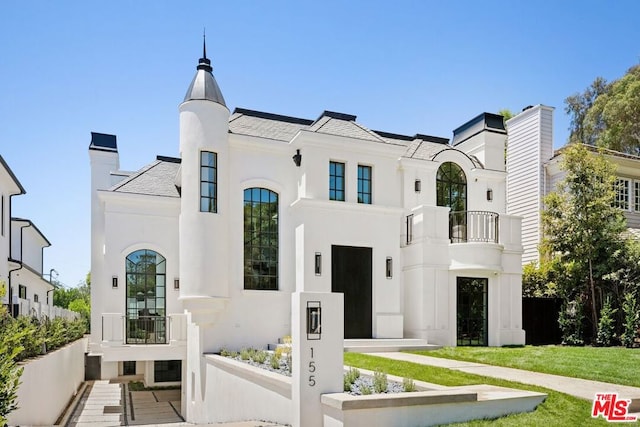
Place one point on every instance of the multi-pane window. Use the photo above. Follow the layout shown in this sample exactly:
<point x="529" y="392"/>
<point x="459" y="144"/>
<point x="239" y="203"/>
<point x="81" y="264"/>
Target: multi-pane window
<point x="622" y="193"/>
<point x="208" y="182"/>
<point x="636" y="196"/>
<point x="36" y="298"/>
<point x="146" y="297"/>
<point x="260" y="239"/>
<point x="364" y="184"/>
<point x="451" y="187"/>
<point x="336" y="181"/>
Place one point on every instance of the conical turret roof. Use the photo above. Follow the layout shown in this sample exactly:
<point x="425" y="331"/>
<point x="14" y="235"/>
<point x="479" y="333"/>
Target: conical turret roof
<point x="204" y="86"/>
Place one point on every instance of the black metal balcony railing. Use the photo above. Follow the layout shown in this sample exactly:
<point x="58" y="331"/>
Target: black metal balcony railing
<point x="473" y="226"/>
<point x="146" y="330"/>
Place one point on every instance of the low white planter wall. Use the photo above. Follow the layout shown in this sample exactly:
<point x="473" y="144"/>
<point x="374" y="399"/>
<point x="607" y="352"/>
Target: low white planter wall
<point x="238" y="391"/>
<point x="48" y="383"/>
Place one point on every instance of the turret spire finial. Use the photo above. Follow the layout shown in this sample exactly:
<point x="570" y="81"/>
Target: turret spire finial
<point x="204" y="63"/>
<point x="204" y="43"/>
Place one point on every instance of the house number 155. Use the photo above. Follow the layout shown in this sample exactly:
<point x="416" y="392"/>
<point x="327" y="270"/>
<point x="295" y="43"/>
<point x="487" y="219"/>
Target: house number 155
<point x="312" y="369"/>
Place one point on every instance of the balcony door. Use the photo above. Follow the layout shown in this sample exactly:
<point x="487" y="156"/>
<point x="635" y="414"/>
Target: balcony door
<point x="451" y="192"/>
<point x="146" y="302"/>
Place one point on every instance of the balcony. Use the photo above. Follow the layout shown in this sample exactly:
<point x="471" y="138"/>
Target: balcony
<point x="118" y="329"/>
<point x="473" y="226"/>
<point x="146" y="330"/>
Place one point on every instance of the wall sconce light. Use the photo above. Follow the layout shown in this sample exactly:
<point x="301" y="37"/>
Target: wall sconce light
<point x="417" y="185"/>
<point x="297" y="158"/>
<point x="489" y="194"/>
<point x="318" y="264"/>
<point x="176" y="283"/>
<point x="389" y="267"/>
<point x="314" y="320"/>
<point x="114" y="282"/>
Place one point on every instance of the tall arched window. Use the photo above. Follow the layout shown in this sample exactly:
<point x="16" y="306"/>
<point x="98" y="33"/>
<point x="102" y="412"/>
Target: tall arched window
<point x="260" y="239"/>
<point x="146" y="302"/>
<point x="451" y="191"/>
<point x="451" y="187"/>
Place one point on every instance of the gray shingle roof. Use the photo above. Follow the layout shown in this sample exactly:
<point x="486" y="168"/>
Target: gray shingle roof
<point x="268" y="126"/>
<point x="155" y="179"/>
<point x="346" y="128"/>
<point x="425" y="150"/>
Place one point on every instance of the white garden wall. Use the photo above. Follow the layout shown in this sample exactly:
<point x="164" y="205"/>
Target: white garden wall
<point x="48" y="383"/>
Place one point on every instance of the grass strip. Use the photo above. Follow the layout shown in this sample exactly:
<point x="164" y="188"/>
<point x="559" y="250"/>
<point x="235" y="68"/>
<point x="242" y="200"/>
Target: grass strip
<point x="616" y="365"/>
<point x="558" y="409"/>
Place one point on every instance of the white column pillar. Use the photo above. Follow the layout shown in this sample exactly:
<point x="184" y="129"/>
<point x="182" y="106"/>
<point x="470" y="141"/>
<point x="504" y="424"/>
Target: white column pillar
<point x="317" y="352"/>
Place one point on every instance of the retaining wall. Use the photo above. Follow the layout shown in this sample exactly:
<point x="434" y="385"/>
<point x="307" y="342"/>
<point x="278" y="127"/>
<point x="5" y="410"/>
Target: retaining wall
<point x="48" y="383"/>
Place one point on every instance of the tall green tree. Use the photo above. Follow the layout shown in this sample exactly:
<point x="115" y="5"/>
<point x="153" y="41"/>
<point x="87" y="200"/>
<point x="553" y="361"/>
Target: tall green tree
<point x="608" y="114"/>
<point x="583" y="229"/>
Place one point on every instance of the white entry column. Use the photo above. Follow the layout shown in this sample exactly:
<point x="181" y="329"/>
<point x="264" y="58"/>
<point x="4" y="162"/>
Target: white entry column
<point x="317" y="325"/>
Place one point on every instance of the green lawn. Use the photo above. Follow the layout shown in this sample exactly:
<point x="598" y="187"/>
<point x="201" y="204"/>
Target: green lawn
<point x="615" y="365"/>
<point x="557" y="410"/>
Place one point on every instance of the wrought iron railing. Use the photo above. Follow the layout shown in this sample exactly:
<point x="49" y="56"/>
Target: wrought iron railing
<point x="146" y="329"/>
<point x="473" y="226"/>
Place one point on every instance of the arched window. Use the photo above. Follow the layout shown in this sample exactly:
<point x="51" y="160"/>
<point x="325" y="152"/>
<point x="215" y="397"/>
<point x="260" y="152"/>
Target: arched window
<point x="260" y="239"/>
<point x="146" y="302"/>
<point x="451" y="187"/>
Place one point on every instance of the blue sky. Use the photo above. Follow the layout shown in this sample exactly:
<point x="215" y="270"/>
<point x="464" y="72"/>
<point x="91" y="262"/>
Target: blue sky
<point x="122" y="67"/>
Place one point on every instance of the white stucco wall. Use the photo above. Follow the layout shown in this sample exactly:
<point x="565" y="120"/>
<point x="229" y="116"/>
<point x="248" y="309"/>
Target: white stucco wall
<point x="48" y="383"/>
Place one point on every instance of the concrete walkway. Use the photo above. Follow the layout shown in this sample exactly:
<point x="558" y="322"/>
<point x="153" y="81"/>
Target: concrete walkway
<point x="584" y="389"/>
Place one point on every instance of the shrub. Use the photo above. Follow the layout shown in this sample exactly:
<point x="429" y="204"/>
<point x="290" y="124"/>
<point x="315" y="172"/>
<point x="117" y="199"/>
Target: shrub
<point x="349" y="378"/>
<point x="274" y="361"/>
<point x="245" y="353"/>
<point x="365" y="389"/>
<point x="380" y="382"/>
<point x="606" y="325"/>
<point x="570" y="320"/>
<point x="408" y="385"/>
<point x="631" y="319"/>
<point x="259" y="356"/>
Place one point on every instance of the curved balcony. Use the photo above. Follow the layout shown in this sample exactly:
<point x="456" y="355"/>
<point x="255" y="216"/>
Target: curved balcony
<point x="473" y="226"/>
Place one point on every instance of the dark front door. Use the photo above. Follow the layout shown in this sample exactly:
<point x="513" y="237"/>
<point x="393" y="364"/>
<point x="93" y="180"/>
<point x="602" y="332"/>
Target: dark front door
<point x="351" y="275"/>
<point x="472" y="311"/>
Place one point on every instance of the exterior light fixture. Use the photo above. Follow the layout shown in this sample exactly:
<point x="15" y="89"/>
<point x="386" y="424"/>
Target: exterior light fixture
<point x="314" y="320"/>
<point x="297" y="158"/>
<point x="176" y="283"/>
<point x="318" y="264"/>
<point x="417" y="185"/>
<point x="489" y="194"/>
<point x="114" y="282"/>
<point x="389" y="267"/>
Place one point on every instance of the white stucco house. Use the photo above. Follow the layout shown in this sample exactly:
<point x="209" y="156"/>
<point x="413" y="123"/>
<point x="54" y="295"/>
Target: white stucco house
<point x="533" y="168"/>
<point x="21" y="257"/>
<point x="193" y="254"/>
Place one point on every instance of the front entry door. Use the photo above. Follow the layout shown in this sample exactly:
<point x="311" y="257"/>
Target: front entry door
<point x="351" y="275"/>
<point x="472" y="311"/>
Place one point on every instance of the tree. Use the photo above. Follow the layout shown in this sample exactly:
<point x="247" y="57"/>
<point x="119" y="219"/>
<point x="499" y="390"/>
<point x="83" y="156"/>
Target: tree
<point x="506" y="113"/>
<point x="582" y="228"/>
<point x="578" y="105"/>
<point x="608" y="114"/>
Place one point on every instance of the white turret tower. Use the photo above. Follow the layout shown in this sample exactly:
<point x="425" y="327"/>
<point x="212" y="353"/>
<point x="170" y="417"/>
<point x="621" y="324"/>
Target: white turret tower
<point x="204" y="180"/>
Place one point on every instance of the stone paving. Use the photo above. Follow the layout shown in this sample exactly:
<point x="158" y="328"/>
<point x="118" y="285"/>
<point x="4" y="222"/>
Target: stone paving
<point x="100" y="406"/>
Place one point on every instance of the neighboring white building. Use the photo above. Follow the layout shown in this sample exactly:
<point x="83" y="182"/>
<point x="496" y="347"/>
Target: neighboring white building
<point x="203" y="252"/>
<point x="533" y="170"/>
<point x="22" y="247"/>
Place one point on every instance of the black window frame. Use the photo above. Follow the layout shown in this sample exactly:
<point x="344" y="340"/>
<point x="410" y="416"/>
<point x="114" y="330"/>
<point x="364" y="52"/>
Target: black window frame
<point x="22" y="292"/>
<point x="365" y="184"/>
<point x="209" y="182"/>
<point x="261" y="239"/>
<point x="167" y="371"/>
<point x="336" y="181"/>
